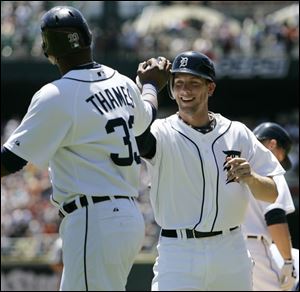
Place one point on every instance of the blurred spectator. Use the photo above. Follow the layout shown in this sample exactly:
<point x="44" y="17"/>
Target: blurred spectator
<point x="259" y="35"/>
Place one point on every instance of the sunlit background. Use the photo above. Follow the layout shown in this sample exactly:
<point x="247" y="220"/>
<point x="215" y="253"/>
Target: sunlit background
<point x="254" y="44"/>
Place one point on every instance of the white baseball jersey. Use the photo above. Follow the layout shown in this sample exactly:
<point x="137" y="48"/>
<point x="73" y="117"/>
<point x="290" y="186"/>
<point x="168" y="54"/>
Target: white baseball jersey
<point x="255" y="223"/>
<point x="189" y="176"/>
<point x="266" y="270"/>
<point x="84" y="126"/>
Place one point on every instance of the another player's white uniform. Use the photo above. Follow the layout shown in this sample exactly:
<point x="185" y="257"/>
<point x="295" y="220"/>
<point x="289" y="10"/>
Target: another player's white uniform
<point x="266" y="271"/>
<point x="189" y="191"/>
<point x="84" y="126"/>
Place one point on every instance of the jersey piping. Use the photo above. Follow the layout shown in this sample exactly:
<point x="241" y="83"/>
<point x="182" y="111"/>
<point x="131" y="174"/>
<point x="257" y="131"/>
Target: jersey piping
<point x="217" y="185"/>
<point x="85" y="244"/>
<point x="90" y="81"/>
<point x="203" y="177"/>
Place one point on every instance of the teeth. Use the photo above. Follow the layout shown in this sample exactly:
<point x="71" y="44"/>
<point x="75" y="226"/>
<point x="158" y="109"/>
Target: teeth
<point x="186" y="99"/>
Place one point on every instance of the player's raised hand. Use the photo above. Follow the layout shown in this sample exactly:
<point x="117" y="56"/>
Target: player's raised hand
<point x="238" y="169"/>
<point x="154" y="71"/>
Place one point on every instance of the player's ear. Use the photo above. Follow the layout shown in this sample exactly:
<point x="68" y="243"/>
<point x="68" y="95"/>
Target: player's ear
<point x="272" y="144"/>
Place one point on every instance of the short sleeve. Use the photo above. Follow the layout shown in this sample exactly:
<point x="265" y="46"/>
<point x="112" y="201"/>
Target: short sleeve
<point x="284" y="200"/>
<point x="43" y="128"/>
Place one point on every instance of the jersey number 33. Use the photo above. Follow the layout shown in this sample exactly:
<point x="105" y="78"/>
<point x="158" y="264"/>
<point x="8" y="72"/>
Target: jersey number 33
<point x="133" y="156"/>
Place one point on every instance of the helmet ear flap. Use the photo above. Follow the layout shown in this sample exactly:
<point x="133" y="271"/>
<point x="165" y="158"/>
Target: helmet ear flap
<point x="170" y="87"/>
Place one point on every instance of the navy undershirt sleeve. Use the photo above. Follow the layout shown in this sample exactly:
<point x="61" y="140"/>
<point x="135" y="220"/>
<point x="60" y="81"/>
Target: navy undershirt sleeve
<point x="275" y="216"/>
<point x="11" y="161"/>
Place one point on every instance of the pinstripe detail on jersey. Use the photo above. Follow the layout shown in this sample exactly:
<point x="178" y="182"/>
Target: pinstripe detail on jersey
<point x="217" y="184"/>
<point x="203" y="177"/>
<point x="88" y="81"/>
<point x="85" y="243"/>
<point x="268" y="255"/>
<point x="54" y="200"/>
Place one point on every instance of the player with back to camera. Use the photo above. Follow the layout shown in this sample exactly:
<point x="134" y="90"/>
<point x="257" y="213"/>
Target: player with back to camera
<point x="203" y="168"/>
<point x="267" y="222"/>
<point x="83" y="126"/>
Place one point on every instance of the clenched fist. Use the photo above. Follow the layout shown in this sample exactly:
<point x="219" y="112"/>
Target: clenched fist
<point x="154" y="71"/>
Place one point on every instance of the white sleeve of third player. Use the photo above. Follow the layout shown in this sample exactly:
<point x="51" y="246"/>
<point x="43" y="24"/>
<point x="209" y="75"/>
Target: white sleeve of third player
<point x="143" y="110"/>
<point x="43" y="127"/>
<point x="284" y="200"/>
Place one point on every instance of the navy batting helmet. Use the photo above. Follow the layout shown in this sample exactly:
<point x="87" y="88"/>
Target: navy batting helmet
<point x="274" y="131"/>
<point x="194" y="63"/>
<point x="64" y="31"/>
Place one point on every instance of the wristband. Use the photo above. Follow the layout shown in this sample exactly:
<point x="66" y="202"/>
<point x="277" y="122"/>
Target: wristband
<point x="148" y="88"/>
<point x="289" y="261"/>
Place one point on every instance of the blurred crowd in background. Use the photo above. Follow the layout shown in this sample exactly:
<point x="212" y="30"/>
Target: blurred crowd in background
<point x="139" y="30"/>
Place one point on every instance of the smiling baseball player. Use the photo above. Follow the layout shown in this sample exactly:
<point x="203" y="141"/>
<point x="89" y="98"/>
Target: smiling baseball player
<point x="83" y="126"/>
<point x="203" y="167"/>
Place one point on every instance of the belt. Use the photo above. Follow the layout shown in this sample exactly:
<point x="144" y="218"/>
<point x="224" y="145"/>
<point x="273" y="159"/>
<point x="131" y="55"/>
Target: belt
<point x="191" y="233"/>
<point x="71" y="207"/>
<point x="258" y="237"/>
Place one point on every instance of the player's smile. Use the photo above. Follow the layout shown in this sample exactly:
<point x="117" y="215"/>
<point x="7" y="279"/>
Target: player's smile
<point x="186" y="99"/>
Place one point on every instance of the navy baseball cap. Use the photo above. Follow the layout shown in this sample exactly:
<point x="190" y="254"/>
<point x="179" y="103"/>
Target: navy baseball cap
<point x="274" y="131"/>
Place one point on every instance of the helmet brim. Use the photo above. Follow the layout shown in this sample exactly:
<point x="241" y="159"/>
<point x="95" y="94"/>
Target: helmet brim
<point x="192" y="72"/>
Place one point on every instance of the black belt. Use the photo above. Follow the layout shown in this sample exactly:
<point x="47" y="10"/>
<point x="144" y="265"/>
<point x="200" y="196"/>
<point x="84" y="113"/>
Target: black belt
<point x="259" y="237"/>
<point x="71" y="207"/>
<point x="191" y="233"/>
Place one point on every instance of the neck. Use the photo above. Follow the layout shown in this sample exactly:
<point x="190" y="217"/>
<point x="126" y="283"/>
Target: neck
<point x="195" y="120"/>
<point x="69" y="62"/>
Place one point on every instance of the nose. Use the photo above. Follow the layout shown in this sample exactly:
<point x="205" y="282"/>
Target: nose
<point x="185" y="87"/>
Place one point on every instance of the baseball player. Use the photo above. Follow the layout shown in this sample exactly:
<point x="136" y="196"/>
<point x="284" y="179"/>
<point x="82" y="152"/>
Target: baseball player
<point x="266" y="222"/>
<point x="83" y="126"/>
<point x="204" y="169"/>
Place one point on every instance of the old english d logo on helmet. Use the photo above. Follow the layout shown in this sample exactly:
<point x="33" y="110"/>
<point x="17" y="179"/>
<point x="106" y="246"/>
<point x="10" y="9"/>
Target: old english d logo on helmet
<point x="183" y="62"/>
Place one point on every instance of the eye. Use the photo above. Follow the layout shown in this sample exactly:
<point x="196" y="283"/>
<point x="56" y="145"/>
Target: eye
<point x="178" y="83"/>
<point x="197" y="82"/>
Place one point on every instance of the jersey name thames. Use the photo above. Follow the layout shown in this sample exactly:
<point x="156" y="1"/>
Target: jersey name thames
<point x="110" y="99"/>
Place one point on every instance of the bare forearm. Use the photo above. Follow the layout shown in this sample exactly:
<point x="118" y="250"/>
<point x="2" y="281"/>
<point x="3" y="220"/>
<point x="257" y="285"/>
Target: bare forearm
<point x="263" y="188"/>
<point x="281" y="236"/>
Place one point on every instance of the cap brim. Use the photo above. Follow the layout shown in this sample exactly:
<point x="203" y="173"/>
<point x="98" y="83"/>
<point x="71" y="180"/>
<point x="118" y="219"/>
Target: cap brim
<point x="286" y="163"/>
